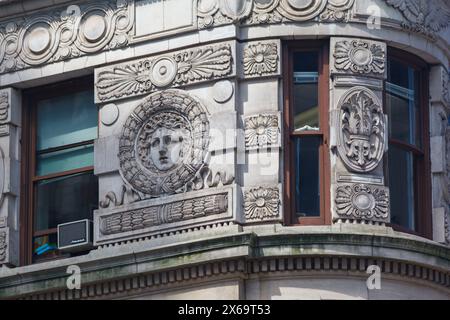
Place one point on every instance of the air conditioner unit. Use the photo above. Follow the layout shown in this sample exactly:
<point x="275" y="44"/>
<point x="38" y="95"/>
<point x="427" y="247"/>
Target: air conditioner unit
<point x="75" y="236"/>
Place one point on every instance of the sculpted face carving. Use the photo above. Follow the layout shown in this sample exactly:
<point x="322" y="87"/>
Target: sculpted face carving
<point x="166" y="148"/>
<point x="164" y="143"/>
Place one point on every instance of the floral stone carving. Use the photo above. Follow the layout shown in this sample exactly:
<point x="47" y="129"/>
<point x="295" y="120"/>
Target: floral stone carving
<point x="361" y="130"/>
<point x="180" y="68"/>
<point x="262" y="203"/>
<point x="260" y="59"/>
<point x="362" y="201"/>
<point x="360" y="56"/>
<point x="261" y="130"/>
<point x="164" y="143"/>
<point x="65" y="33"/>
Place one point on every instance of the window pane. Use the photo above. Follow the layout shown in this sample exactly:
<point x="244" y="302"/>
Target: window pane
<point x="65" y="160"/>
<point x="66" y="120"/>
<point x="402" y="101"/>
<point x="307" y="192"/>
<point x="65" y="199"/>
<point x="306" y="89"/>
<point x="401" y="184"/>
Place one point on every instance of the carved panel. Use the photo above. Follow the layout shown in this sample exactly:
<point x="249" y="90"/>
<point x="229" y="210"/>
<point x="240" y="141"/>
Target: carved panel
<point x="177" y="69"/>
<point x="362" y="202"/>
<point x="64" y="33"/>
<point x="361" y="130"/>
<point x="4" y="106"/>
<point x="424" y="16"/>
<point x="262" y="203"/>
<point x="3" y="246"/>
<point x="261" y="130"/>
<point x="166" y="214"/>
<point x="164" y="143"/>
<point x="261" y="59"/>
<point x="360" y="57"/>
<point x="162" y="214"/>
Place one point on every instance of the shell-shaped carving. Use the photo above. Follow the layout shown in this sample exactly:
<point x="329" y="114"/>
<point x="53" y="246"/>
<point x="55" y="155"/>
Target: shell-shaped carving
<point x="361" y="130"/>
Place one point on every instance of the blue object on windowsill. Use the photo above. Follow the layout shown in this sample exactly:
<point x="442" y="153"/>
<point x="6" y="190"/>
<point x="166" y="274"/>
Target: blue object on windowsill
<point x="44" y="248"/>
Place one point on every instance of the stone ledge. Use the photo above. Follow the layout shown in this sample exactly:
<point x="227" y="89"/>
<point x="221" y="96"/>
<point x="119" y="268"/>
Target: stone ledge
<point x="135" y="260"/>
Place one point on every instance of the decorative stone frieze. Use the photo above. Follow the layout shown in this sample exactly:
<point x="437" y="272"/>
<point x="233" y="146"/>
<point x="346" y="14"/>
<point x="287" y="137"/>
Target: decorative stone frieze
<point x="156" y="216"/>
<point x="153" y="166"/>
<point x="361" y="130"/>
<point x="262" y="204"/>
<point x="262" y="130"/>
<point x="163" y="214"/>
<point x="64" y="33"/>
<point x="362" y="202"/>
<point x="151" y="74"/>
<point x="359" y="56"/>
<point x="424" y="16"/>
<point x="261" y="58"/>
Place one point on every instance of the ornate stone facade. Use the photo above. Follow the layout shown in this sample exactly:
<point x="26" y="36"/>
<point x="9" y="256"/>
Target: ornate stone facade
<point x="261" y="130"/>
<point x="64" y="33"/>
<point x="4" y="106"/>
<point x="261" y="59"/>
<point x="3" y="245"/>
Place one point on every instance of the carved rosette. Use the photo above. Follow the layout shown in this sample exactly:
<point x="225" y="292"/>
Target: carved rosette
<point x="424" y="16"/>
<point x="178" y="69"/>
<point x="360" y="56"/>
<point x="261" y="59"/>
<point x="172" y="110"/>
<point x="361" y="130"/>
<point x="362" y="202"/>
<point x="261" y="130"/>
<point x="65" y="33"/>
<point x="262" y="203"/>
<point x="170" y="212"/>
<point x="4" y="106"/>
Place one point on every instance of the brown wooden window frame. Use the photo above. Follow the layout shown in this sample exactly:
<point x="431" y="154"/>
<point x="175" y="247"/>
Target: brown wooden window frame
<point x="289" y="48"/>
<point x="29" y="154"/>
<point x="422" y="161"/>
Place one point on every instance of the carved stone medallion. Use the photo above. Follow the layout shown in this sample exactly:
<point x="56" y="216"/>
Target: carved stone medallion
<point x="262" y="203"/>
<point x="164" y="143"/>
<point x="362" y="201"/>
<point x="361" y="130"/>
<point x="360" y="56"/>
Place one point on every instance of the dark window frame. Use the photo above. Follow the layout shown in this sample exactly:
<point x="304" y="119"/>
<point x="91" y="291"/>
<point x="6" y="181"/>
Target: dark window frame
<point x="29" y="155"/>
<point x="289" y="48"/>
<point x="422" y="160"/>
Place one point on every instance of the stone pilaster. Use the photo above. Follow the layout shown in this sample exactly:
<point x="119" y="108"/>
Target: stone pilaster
<point x="358" y="131"/>
<point x="10" y="129"/>
<point x="440" y="152"/>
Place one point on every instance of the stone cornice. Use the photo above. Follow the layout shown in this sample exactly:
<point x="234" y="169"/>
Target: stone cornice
<point x="423" y="260"/>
